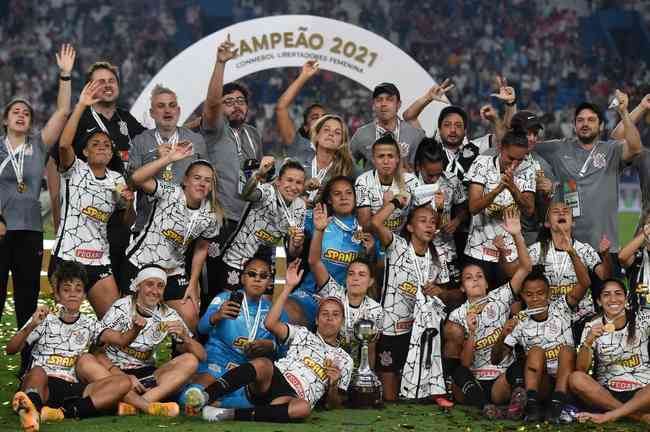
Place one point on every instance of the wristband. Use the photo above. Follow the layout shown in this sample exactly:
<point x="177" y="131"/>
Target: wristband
<point x="396" y="203"/>
<point x="65" y="78"/>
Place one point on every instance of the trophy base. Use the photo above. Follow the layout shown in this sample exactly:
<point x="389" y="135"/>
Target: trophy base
<point x="366" y="398"/>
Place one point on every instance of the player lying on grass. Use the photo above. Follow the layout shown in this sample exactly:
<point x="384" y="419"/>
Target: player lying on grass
<point x="234" y="323"/>
<point x="617" y="343"/>
<point x="354" y="295"/>
<point x="315" y="366"/>
<point x="543" y="329"/>
<point x="473" y="328"/>
<point x="150" y="385"/>
<point x="60" y="340"/>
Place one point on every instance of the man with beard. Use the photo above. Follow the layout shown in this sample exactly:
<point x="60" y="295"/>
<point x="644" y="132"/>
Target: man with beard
<point x="234" y="149"/>
<point x="121" y="127"/>
<point x="588" y="169"/>
<point x="385" y="104"/>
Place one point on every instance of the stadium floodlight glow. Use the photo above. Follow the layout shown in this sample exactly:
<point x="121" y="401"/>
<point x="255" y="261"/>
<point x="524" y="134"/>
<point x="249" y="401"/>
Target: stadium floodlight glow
<point x="289" y="41"/>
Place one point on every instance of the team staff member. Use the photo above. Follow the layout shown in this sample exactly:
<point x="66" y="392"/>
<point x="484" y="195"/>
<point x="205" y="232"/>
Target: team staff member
<point x="588" y="171"/>
<point x="297" y="143"/>
<point x="165" y="112"/>
<point x="385" y="104"/>
<point x="232" y="144"/>
<point x="22" y="159"/>
<point x="121" y="127"/>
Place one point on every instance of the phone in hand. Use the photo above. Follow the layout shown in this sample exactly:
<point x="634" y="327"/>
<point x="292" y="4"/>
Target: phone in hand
<point x="237" y="297"/>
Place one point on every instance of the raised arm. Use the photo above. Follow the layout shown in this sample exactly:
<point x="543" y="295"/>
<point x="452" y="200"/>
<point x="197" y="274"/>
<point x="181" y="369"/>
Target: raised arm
<point x="213" y="101"/>
<point x="316" y="265"/>
<point x="377" y="221"/>
<point x="285" y="124"/>
<point x="272" y="321"/>
<point x="490" y="115"/>
<point x="631" y="136"/>
<point x="565" y="243"/>
<point x="437" y="93"/>
<point x="143" y="177"/>
<point x="508" y="96"/>
<point x="626" y="254"/>
<point x="66" y="146"/>
<point x="250" y="191"/>
<point x="19" y="340"/>
<point x="635" y="116"/>
<point x="512" y="225"/>
<point x="52" y="130"/>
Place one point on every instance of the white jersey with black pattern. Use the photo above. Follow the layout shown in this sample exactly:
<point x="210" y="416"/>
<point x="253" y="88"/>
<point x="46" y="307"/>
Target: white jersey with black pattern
<point x="87" y="204"/>
<point x="561" y="274"/>
<point x="370" y="194"/>
<point x="172" y="225"/>
<point x="486" y="225"/>
<point x="264" y="223"/>
<point x="401" y="285"/>
<point x="57" y="345"/>
<point x="140" y="352"/>
<point x="621" y="364"/>
<point x="550" y="334"/>
<point x="304" y="366"/>
<point x="368" y="309"/>
<point x="491" y="317"/>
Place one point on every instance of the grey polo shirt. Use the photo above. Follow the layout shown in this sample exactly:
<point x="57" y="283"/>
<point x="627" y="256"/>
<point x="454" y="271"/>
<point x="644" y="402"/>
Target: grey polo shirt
<point x="22" y="211"/>
<point x="597" y="186"/>
<point x="366" y="135"/>
<point x="222" y="152"/>
<point x="144" y="149"/>
<point x="300" y="149"/>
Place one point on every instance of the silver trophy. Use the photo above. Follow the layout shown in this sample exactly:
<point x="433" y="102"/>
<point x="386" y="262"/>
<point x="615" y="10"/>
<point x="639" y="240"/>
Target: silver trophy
<point x="366" y="391"/>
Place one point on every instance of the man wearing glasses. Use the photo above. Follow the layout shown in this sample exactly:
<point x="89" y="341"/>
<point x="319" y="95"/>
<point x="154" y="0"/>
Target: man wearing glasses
<point x="232" y="146"/>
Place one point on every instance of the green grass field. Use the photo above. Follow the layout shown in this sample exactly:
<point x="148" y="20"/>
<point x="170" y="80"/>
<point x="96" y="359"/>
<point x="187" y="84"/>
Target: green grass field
<point x="398" y="417"/>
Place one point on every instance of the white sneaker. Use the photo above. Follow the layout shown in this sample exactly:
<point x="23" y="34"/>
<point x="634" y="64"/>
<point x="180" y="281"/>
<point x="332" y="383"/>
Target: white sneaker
<point x="214" y="414"/>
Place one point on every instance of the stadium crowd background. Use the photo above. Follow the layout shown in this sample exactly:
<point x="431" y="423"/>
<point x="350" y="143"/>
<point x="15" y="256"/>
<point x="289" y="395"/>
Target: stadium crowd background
<point x="537" y="45"/>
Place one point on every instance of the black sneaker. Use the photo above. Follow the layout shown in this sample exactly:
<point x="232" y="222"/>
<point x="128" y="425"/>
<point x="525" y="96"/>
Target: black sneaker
<point x="534" y="413"/>
<point x="554" y="413"/>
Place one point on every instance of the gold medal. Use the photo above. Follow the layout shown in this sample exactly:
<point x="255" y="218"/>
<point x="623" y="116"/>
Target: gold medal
<point x="358" y="234"/>
<point x="167" y="175"/>
<point x="609" y="328"/>
<point x="22" y="187"/>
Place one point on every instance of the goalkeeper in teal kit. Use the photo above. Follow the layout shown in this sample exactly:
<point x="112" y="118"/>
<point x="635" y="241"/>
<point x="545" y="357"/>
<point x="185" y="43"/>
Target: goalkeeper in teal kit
<point x="234" y="323"/>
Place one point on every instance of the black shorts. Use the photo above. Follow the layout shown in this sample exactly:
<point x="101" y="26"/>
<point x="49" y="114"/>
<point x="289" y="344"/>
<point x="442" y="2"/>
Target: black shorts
<point x="93" y="273"/>
<point x="228" y="278"/>
<point x="392" y="352"/>
<point x="279" y="387"/>
<point x="623" y="396"/>
<point x="61" y="392"/>
<point x="487" y="385"/>
<point x="145" y="374"/>
<point x="174" y="290"/>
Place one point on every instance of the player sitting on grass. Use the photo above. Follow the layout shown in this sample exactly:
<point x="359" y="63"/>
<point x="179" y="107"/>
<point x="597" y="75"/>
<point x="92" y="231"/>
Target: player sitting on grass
<point x="234" y="323"/>
<point x="136" y="361"/>
<point x="544" y="331"/>
<point x="473" y="328"/>
<point x="288" y="390"/>
<point x="617" y="342"/>
<point x="354" y="295"/>
<point x="60" y="342"/>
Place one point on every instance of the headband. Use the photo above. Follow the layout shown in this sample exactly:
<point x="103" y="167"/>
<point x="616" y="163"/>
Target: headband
<point x="148" y="273"/>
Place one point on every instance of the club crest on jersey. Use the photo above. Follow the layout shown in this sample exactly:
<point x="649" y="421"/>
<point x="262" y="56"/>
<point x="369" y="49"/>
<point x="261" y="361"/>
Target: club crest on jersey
<point x="240" y="342"/>
<point x="319" y="370"/>
<point x="79" y="337"/>
<point x="96" y="214"/>
<point x="599" y="160"/>
<point x="233" y="277"/>
<point x="214" y="249"/>
<point x="173" y="236"/>
<point x="339" y="256"/>
<point x="385" y="358"/>
<point x="408" y="288"/>
<point x="265" y="236"/>
<point x="124" y="129"/>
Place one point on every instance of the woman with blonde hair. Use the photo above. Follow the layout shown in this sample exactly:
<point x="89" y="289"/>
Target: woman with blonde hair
<point x="330" y="137"/>
<point x="180" y="214"/>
